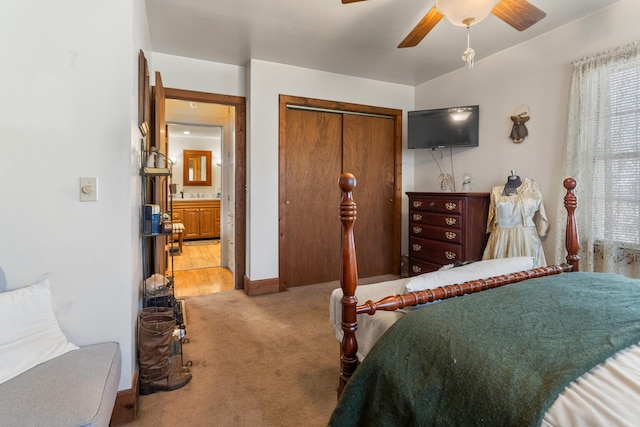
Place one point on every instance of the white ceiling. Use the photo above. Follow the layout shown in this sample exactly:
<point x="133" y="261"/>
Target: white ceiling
<point x="200" y="119"/>
<point x="357" y="39"/>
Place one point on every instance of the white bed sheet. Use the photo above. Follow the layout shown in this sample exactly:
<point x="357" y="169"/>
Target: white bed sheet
<point x="607" y="395"/>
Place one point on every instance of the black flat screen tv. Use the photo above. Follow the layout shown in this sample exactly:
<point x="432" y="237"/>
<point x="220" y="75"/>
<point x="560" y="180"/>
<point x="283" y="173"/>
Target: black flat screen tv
<point x="444" y="127"/>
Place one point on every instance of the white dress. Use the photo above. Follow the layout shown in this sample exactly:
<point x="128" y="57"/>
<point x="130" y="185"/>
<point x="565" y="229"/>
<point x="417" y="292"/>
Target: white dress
<point x="516" y="223"/>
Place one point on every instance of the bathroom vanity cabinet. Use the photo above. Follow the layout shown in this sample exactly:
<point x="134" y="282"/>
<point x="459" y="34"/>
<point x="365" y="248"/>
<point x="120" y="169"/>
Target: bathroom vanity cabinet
<point x="201" y="218"/>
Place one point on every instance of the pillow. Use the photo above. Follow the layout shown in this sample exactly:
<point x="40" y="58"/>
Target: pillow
<point x="30" y="333"/>
<point x="472" y="271"/>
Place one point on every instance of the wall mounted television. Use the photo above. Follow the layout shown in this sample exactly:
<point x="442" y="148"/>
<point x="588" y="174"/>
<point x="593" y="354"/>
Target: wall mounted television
<point x="444" y="127"/>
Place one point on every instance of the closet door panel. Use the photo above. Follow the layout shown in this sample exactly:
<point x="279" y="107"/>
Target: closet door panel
<point x="368" y="153"/>
<point x="312" y="160"/>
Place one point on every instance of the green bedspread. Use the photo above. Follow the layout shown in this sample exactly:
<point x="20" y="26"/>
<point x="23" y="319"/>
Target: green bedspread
<point x="495" y="358"/>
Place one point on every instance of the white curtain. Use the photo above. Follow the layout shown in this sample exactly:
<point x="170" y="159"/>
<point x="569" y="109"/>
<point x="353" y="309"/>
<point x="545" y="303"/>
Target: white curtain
<point x="603" y="155"/>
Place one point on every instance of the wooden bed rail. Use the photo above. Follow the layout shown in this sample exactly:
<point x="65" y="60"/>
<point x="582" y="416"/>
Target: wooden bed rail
<point x="349" y="276"/>
<point x="395" y="302"/>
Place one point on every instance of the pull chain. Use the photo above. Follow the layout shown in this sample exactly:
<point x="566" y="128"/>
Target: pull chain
<point x="469" y="54"/>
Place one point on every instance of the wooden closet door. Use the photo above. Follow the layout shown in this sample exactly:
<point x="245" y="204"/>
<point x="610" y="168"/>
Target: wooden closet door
<point x="368" y="153"/>
<point x="309" y="203"/>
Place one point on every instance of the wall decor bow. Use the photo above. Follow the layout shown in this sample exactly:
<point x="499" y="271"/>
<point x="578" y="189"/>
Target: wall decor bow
<point x="519" y="130"/>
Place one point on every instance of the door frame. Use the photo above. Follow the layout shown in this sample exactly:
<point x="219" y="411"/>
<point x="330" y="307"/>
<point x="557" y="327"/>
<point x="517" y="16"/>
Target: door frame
<point x="338" y="107"/>
<point x="239" y="102"/>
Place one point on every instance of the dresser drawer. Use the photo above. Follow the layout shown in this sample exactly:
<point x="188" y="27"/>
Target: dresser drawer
<point x="417" y="267"/>
<point x="449" y="235"/>
<point x="452" y="205"/>
<point x="433" y="251"/>
<point x="437" y="219"/>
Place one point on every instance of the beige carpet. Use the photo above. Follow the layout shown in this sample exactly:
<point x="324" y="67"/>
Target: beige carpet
<point x="269" y="360"/>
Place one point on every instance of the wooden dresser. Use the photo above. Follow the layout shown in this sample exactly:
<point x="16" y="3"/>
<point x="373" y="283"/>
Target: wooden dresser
<point x="445" y="228"/>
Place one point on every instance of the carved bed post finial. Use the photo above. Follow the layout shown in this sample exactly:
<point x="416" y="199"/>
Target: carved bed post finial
<point x="348" y="282"/>
<point x="571" y="237"/>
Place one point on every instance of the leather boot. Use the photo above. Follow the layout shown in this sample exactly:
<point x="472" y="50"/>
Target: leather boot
<point x="168" y="311"/>
<point x="147" y="311"/>
<point x="154" y="348"/>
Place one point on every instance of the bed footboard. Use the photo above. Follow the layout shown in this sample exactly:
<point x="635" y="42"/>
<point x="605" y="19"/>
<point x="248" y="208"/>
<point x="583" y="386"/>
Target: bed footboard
<point x="349" y="276"/>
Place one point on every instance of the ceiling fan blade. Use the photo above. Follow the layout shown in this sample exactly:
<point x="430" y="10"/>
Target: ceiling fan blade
<point x="520" y="14"/>
<point x="350" y="1"/>
<point x="422" y="29"/>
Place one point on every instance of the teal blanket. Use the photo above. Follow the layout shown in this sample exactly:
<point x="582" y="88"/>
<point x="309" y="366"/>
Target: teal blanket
<point x="495" y="358"/>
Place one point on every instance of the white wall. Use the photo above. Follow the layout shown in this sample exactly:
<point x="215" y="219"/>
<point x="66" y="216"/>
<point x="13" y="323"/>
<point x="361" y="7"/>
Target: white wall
<point x="194" y="74"/>
<point x="69" y="84"/>
<point x="267" y="81"/>
<point x="536" y="73"/>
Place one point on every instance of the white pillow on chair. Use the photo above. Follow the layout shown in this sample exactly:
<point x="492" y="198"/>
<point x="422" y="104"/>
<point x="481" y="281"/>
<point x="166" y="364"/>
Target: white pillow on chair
<point x="30" y="333"/>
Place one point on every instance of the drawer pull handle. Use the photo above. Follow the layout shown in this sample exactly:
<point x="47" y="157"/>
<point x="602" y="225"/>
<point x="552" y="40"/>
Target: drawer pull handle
<point x="417" y="217"/>
<point x="433" y="205"/>
<point x="450" y="235"/>
<point x="417" y="203"/>
<point x="417" y="230"/>
<point x="449" y="255"/>
<point x="416" y="247"/>
<point x="416" y="269"/>
<point x="450" y="206"/>
<point x="450" y="221"/>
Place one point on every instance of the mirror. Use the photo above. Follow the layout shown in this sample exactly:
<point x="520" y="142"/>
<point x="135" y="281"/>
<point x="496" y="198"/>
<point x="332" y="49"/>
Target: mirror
<point x="197" y="170"/>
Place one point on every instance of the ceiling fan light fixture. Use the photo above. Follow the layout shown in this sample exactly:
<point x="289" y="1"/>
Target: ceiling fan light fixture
<point x="464" y="13"/>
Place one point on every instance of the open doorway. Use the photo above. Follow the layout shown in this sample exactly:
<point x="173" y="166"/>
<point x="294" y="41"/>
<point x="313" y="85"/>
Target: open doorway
<point x="212" y="208"/>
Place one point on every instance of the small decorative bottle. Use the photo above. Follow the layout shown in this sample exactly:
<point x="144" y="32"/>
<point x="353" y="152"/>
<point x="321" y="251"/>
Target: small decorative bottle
<point x="151" y="158"/>
<point x="466" y="182"/>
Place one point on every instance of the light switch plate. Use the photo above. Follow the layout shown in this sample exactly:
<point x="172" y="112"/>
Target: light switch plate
<point x="88" y="189"/>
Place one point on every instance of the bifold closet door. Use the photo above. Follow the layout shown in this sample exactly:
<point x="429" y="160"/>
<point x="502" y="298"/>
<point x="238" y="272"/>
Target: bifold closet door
<point x="313" y="163"/>
<point x="319" y="147"/>
<point x="368" y="153"/>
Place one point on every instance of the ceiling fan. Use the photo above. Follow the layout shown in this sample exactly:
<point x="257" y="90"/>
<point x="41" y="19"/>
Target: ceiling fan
<point x="520" y="14"/>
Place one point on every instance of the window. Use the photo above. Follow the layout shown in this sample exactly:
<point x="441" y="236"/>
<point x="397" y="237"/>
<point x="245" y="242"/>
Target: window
<point x="617" y="161"/>
<point x="603" y="155"/>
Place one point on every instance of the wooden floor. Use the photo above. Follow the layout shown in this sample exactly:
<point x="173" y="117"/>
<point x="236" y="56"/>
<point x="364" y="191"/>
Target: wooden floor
<point x="197" y="271"/>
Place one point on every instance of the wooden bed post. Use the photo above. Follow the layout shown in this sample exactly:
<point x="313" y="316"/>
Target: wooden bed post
<point x="571" y="231"/>
<point x="348" y="282"/>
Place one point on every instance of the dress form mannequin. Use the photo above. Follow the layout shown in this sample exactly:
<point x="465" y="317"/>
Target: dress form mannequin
<point x="513" y="182"/>
<point x="516" y="221"/>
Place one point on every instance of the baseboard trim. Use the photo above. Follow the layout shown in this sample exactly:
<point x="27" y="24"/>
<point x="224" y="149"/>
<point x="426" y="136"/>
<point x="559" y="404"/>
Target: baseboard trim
<point x="125" y="409"/>
<point x="261" y="287"/>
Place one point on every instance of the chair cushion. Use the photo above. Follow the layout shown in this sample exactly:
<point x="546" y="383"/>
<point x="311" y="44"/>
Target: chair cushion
<point x="76" y="389"/>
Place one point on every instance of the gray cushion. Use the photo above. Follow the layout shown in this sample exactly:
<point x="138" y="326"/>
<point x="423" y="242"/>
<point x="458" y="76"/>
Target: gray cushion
<point x="76" y="389"/>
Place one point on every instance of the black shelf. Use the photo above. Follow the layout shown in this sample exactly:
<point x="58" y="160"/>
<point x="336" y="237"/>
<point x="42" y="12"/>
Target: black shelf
<point x="158" y="181"/>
